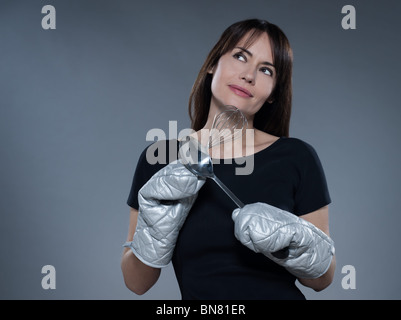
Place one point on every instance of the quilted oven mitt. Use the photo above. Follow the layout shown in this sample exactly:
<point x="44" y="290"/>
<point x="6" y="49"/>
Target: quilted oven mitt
<point x="164" y="203"/>
<point x="267" y="229"/>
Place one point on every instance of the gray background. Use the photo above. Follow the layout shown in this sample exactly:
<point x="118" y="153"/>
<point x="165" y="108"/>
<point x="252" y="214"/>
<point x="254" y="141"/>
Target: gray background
<point x="77" y="102"/>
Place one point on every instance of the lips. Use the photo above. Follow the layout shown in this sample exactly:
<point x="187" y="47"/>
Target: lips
<point x="242" y="92"/>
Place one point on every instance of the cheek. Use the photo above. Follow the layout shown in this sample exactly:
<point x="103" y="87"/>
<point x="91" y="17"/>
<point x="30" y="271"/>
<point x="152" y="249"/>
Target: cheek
<point x="223" y="71"/>
<point x="219" y="79"/>
<point x="215" y="86"/>
<point x="265" y="88"/>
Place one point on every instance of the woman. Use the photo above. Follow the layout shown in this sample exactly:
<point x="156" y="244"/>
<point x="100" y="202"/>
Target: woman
<point x="219" y="251"/>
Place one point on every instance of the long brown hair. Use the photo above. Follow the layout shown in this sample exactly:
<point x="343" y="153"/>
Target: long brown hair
<point x="274" y="117"/>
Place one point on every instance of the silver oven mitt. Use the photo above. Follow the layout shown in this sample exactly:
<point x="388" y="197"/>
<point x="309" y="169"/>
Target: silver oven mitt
<point x="164" y="203"/>
<point x="267" y="229"/>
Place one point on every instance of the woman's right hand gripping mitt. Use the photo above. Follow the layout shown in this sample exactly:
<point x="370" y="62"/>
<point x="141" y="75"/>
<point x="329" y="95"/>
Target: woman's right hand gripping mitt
<point x="164" y="203"/>
<point x="267" y="229"/>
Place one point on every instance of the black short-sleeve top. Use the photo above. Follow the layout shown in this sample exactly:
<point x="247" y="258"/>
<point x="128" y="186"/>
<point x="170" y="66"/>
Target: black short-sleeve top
<point x="209" y="262"/>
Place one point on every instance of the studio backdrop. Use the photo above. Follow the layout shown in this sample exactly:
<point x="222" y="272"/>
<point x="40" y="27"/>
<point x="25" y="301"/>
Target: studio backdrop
<point x="83" y="81"/>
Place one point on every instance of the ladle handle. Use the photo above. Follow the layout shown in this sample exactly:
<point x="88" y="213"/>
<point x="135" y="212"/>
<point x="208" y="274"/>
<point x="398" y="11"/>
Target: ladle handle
<point x="281" y="254"/>
<point x="237" y="201"/>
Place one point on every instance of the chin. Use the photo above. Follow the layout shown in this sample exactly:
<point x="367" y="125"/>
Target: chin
<point x="242" y="105"/>
<point x="249" y="112"/>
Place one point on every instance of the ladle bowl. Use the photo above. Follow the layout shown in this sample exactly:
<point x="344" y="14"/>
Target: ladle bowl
<point x="196" y="159"/>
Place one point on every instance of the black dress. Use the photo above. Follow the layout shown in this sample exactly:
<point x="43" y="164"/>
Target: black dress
<point x="209" y="262"/>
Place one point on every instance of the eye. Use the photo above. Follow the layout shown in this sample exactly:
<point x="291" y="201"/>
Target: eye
<point x="266" y="71"/>
<point x="240" y="56"/>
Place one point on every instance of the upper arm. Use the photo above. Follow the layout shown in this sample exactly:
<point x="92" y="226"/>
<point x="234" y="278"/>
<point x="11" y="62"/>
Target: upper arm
<point x="319" y="218"/>
<point x="311" y="187"/>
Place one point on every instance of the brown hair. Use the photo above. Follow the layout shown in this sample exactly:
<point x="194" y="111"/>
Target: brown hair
<point x="273" y="118"/>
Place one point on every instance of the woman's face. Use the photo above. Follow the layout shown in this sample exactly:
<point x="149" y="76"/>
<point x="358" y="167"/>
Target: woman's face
<point x="243" y="77"/>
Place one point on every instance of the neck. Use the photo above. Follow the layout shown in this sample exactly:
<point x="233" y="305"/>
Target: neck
<point x="234" y="144"/>
<point x="215" y="110"/>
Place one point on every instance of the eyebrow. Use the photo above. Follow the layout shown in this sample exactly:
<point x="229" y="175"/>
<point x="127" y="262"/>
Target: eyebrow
<point x="250" y="54"/>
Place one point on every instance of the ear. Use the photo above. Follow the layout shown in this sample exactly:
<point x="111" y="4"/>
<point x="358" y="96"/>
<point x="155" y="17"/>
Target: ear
<point x="270" y="99"/>
<point x="211" y="70"/>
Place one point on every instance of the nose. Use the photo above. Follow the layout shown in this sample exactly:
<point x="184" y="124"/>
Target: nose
<point x="248" y="77"/>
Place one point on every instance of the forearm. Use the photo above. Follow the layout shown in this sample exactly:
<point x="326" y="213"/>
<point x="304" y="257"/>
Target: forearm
<point x="153" y="230"/>
<point x="138" y="277"/>
<point x="322" y="282"/>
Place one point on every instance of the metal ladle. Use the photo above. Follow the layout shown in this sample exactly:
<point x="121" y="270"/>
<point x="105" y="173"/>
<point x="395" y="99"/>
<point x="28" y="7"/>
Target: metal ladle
<point x="197" y="160"/>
